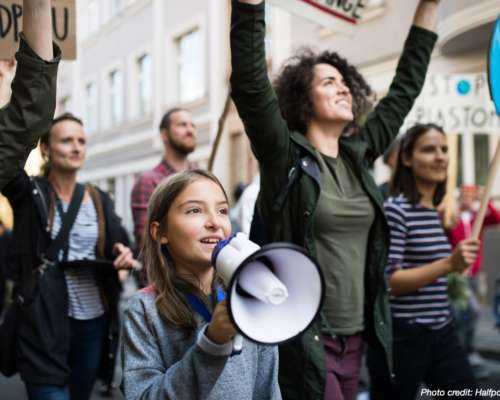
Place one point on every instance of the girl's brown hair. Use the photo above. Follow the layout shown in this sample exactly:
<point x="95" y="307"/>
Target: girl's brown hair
<point x="171" y="288"/>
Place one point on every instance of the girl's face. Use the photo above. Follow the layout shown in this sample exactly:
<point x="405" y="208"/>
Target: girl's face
<point x="331" y="98"/>
<point x="196" y="221"/>
<point x="429" y="160"/>
<point x="67" y="146"/>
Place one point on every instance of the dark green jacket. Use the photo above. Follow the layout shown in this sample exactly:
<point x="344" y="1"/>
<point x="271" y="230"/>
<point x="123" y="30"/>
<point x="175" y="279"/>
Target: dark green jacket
<point x="286" y="157"/>
<point x="30" y="110"/>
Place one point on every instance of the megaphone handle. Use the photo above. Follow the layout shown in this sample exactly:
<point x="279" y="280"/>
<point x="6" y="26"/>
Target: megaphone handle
<point x="237" y="343"/>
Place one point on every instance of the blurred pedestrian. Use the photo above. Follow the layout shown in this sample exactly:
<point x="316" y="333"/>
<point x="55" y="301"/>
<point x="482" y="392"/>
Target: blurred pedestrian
<point x="390" y="159"/>
<point x="467" y="314"/>
<point x="177" y="334"/>
<point x="179" y="136"/>
<point x="426" y="346"/>
<point x="316" y="189"/>
<point x="70" y="235"/>
<point x="235" y="209"/>
<point x="246" y="205"/>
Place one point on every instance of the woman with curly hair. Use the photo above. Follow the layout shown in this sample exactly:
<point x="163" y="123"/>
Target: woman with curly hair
<point x="316" y="189"/>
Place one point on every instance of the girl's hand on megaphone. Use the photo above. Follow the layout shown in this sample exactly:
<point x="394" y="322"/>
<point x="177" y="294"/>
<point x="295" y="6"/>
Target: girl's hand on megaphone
<point x="220" y="330"/>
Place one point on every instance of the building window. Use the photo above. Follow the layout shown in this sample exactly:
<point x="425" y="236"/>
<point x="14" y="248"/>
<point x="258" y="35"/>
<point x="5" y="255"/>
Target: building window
<point x="115" y="7"/>
<point x="481" y="157"/>
<point x="93" y="15"/>
<point x="116" y="96"/>
<point x="190" y="71"/>
<point x="144" y="92"/>
<point x="91" y="109"/>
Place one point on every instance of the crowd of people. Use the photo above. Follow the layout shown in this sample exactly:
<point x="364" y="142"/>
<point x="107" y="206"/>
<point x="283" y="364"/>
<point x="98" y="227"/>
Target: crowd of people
<point x="383" y="251"/>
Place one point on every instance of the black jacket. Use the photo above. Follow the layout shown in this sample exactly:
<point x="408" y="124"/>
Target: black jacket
<point x="30" y="110"/>
<point x="44" y="337"/>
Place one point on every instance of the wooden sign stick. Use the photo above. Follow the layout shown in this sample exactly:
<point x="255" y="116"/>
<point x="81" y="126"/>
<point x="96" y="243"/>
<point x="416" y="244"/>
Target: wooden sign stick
<point x="220" y="129"/>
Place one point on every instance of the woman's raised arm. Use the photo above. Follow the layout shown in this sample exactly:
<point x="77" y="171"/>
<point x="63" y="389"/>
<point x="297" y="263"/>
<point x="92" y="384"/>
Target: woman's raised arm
<point x="37" y="27"/>
<point x="251" y="89"/>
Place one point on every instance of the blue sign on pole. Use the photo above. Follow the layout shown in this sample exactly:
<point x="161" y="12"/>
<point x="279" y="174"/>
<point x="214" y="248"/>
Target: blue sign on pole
<point x="494" y="66"/>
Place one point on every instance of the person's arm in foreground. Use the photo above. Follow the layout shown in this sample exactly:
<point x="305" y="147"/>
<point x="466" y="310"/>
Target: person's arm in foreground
<point x="31" y="108"/>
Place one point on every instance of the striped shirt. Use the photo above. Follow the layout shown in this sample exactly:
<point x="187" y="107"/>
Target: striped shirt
<point x="83" y="293"/>
<point x="418" y="238"/>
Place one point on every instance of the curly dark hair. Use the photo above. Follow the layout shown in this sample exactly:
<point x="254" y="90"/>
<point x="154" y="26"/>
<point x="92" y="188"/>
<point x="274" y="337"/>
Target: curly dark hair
<point x="293" y="87"/>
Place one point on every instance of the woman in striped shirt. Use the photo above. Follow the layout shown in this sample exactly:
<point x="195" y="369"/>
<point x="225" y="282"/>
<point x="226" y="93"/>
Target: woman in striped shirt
<point x="426" y="348"/>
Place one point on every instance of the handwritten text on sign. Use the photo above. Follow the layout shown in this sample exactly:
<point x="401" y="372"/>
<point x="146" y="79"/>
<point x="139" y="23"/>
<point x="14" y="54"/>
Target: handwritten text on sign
<point x="63" y="26"/>
<point x="460" y="103"/>
<point x="340" y="15"/>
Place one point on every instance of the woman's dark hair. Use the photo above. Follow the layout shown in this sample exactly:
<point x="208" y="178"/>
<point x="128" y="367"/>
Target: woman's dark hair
<point x="403" y="181"/>
<point x="293" y="88"/>
<point x="45" y="139"/>
<point x="169" y="285"/>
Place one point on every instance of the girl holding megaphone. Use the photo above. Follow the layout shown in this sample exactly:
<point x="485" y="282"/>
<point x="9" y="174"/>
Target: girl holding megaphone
<point x="177" y="334"/>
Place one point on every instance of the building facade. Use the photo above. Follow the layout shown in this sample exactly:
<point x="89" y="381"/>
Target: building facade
<point x="137" y="58"/>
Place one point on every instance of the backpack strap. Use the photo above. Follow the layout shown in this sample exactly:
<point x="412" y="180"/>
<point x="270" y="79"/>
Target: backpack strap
<point x="306" y="164"/>
<point x="67" y="221"/>
<point x="101" y="220"/>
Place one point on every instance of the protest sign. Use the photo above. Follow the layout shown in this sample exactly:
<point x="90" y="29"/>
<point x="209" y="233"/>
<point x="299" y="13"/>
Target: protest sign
<point x="63" y="24"/>
<point x="460" y="103"/>
<point x="339" y="15"/>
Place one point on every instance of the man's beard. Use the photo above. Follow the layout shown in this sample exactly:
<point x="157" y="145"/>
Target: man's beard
<point x="181" y="147"/>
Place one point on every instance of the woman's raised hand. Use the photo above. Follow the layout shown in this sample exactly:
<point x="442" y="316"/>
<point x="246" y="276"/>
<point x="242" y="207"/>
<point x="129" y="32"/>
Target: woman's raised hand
<point x="464" y="255"/>
<point x="426" y="15"/>
<point x="37" y="27"/>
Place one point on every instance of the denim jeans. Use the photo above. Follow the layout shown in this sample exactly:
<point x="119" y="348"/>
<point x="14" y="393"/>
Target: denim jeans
<point x="421" y="355"/>
<point x="86" y="344"/>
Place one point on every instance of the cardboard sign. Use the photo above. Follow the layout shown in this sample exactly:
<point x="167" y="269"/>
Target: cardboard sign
<point x="460" y="103"/>
<point x="339" y="15"/>
<point x="63" y="24"/>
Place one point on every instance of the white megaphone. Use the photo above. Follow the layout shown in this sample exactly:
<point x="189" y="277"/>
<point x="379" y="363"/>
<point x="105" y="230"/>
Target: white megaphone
<point x="274" y="293"/>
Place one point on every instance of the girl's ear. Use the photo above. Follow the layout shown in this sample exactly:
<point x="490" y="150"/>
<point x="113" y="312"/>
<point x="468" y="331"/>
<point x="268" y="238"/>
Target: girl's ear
<point x="153" y="230"/>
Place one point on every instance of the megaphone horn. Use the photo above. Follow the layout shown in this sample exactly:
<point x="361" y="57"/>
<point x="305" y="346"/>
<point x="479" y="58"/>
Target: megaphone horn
<point x="274" y="292"/>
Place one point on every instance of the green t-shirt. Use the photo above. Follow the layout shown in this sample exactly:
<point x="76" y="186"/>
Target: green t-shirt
<point x="342" y="223"/>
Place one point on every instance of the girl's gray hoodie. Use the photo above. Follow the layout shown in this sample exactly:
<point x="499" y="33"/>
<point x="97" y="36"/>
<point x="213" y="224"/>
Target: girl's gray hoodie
<point x="160" y="362"/>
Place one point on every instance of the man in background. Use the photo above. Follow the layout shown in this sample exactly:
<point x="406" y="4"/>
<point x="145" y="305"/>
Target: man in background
<point x="179" y="136"/>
